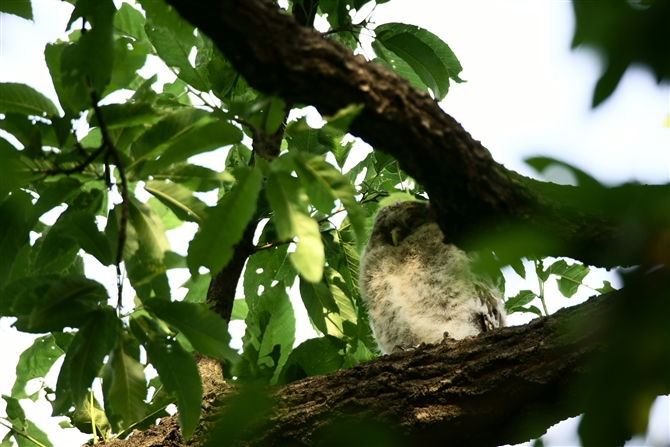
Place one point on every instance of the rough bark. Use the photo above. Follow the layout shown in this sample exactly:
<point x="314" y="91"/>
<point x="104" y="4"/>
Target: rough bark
<point x="501" y="387"/>
<point x="472" y="193"/>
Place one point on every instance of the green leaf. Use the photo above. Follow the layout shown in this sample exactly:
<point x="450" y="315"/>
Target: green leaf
<point x="583" y="179"/>
<point x="197" y="288"/>
<point x="15" y="226"/>
<point x="518" y="267"/>
<point x="96" y="45"/>
<point x="240" y="309"/>
<point x="150" y="229"/>
<point x="206" y="138"/>
<point x="177" y="370"/>
<point x="55" y="194"/>
<point x="343" y="118"/>
<point x="35" y="362"/>
<point x="14" y="170"/>
<point x="274" y="115"/>
<point x="169" y="219"/>
<point x="20" y="98"/>
<point x="204" y="329"/>
<point x="130" y="21"/>
<point x="21" y="8"/>
<point x="126" y="387"/>
<point x="86" y="414"/>
<point x="179" y="199"/>
<point x="126" y="115"/>
<point x="304" y="138"/>
<point x="516" y="303"/>
<point x="168" y="130"/>
<point x="195" y="178"/>
<point x="53" y="304"/>
<point x="314" y="357"/>
<point x="88" y="350"/>
<point x="321" y="180"/>
<point x="431" y="58"/>
<point x="320" y="305"/>
<point x="112" y="231"/>
<point x="287" y="198"/>
<point x="606" y="288"/>
<point x="80" y="226"/>
<point x="570" y="279"/>
<point x="174" y="53"/>
<point x="226" y="222"/>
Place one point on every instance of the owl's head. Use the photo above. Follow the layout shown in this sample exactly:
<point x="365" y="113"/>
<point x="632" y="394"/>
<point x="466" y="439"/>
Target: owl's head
<point x="395" y="222"/>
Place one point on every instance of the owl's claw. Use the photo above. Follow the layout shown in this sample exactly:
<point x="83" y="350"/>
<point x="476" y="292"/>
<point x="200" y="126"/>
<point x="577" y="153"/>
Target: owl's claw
<point x="398" y="348"/>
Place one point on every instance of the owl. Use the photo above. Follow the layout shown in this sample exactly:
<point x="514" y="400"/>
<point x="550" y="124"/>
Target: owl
<point x="418" y="288"/>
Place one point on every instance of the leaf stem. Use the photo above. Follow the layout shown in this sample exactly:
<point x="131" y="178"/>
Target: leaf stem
<point x="541" y="286"/>
<point x="25" y="435"/>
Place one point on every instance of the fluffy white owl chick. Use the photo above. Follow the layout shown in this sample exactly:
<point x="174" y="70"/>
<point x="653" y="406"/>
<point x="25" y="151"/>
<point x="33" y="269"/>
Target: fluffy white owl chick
<point x="416" y="287"/>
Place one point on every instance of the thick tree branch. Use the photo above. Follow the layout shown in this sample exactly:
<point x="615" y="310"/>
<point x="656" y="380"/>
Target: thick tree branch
<point x="501" y="387"/>
<point x="472" y="193"/>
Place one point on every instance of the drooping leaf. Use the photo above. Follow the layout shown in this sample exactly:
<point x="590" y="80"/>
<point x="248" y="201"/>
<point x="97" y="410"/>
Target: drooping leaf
<point x="149" y="228"/>
<point x="96" y="45"/>
<point x="35" y="362"/>
<point x="126" y="386"/>
<point x="177" y="370"/>
<point x="430" y="58"/>
<point x="319" y="175"/>
<point x="88" y="350"/>
<point x="20" y="98"/>
<point x="225" y="223"/>
<point x="204" y="329"/>
<point x="320" y="305"/>
<point x="194" y="177"/>
<point x="80" y="226"/>
<point x="179" y="199"/>
<point x="15" y="226"/>
<point x="288" y="201"/>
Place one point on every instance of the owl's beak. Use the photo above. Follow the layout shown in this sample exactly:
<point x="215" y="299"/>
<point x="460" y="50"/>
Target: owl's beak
<point x="396" y="235"/>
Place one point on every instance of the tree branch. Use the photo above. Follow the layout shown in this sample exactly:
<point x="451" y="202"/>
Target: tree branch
<point x="501" y="387"/>
<point x="472" y="194"/>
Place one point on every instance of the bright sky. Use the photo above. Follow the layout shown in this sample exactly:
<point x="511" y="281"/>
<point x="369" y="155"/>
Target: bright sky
<point x="527" y="94"/>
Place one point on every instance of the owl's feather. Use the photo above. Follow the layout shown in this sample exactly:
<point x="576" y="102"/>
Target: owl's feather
<point x="416" y="287"/>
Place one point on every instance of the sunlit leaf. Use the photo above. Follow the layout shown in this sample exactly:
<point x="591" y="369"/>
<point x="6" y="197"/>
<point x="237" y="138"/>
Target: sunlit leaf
<point x="150" y="229"/>
<point x="179" y="199"/>
<point x="288" y="201"/>
<point x="225" y="223"/>
<point x="516" y="303"/>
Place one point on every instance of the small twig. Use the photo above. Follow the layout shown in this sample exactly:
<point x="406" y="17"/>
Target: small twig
<point x="79" y="168"/>
<point x="123" y="190"/>
<point x="348" y="27"/>
<point x="272" y="244"/>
